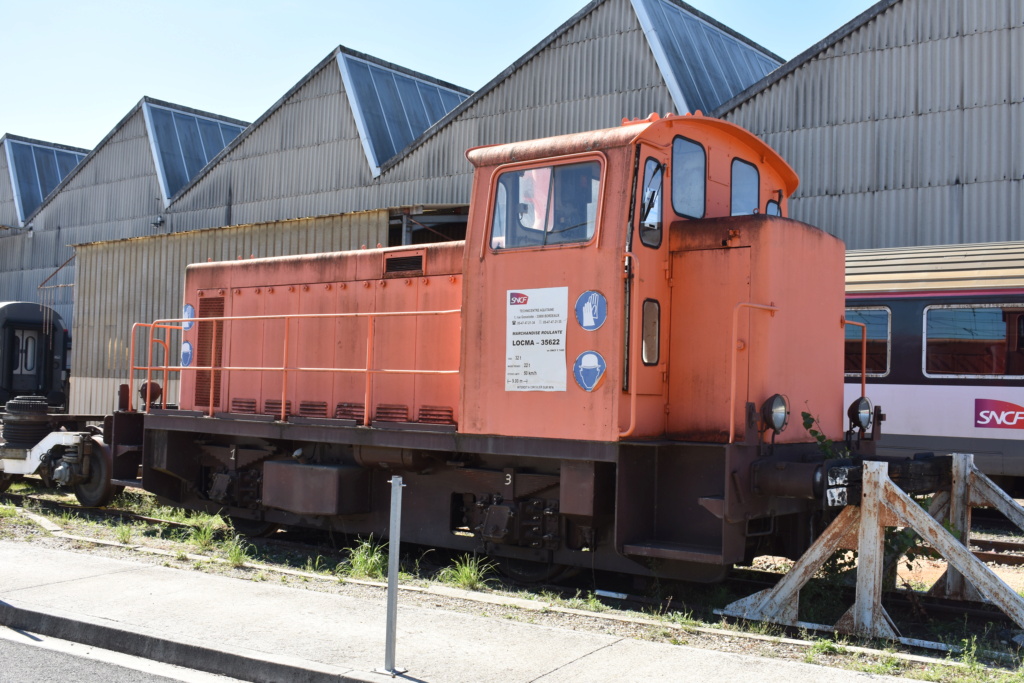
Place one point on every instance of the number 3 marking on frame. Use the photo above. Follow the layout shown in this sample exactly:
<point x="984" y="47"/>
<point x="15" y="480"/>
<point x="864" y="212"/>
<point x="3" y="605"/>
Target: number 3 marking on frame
<point x="508" y="479"/>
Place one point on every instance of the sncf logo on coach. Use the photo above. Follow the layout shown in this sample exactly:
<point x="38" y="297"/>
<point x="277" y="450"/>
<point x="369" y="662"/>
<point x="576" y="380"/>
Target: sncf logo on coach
<point x="993" y="414"/>
<point x="517" y="299"/>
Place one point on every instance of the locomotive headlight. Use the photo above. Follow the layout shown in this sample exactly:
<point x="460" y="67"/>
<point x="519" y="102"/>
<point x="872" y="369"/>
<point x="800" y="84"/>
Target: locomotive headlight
<point x="775" y="412"/>
<point x="860" y="413"/>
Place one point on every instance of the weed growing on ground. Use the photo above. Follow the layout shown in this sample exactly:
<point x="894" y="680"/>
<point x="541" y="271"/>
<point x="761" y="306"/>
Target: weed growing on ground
<point x="317" y="566"/>
<point x="202" y="534"/>
<point x="123" y="533"/>
<point x="822" y="647"/>
<point x="68" y="517"/>
<point x="135" y="501"/>
<point x="368" y="560"/>
<point x="7" y="511"/>
<point x="590" y="603"/>
<point x="887" y="665"/>
<point x="469" y="572"/>
<point x="683" y="619"/>
<point x="237" y="550"/>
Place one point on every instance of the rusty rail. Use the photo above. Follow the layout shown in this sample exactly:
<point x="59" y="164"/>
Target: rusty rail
<point x="369" y="370"/>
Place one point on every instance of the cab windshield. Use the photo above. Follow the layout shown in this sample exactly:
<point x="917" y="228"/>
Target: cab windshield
<point x="546" y="205"/>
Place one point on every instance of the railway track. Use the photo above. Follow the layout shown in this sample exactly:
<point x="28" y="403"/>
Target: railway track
<point x="106" y="512"/>
<point x="998" y="552"/>
<point x="617" y="591"/>
<point x="993" y="551"/>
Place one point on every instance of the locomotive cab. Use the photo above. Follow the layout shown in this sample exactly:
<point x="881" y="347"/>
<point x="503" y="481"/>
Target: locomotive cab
<point x="640" y="287"/>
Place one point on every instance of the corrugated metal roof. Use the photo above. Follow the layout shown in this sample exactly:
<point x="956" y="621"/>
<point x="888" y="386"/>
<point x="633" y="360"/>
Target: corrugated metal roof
<point x="995" y="265"/>
<point x="393" y="106"/>
<point x="704" y="62"/>
<point x="184" y="142"/>
<point x="35" y="169"/>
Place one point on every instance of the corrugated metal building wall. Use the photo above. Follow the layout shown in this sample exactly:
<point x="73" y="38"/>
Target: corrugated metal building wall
<point x="591" y="76"/>
<point x="906" y="126"/>
<point x="140" y="280"/>
<point x="304" y="159"/>
<point x="111" y="196"/>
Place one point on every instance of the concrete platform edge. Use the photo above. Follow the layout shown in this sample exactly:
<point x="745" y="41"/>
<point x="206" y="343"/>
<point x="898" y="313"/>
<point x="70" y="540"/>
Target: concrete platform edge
<point x="256" y="667"/>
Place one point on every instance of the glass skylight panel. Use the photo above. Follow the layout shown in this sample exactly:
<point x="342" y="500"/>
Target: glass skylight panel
<point x="705" y="66"/>
<point x="184" y="143"/>
<point x="392" y="108"/>
<point x="35" y="171"/>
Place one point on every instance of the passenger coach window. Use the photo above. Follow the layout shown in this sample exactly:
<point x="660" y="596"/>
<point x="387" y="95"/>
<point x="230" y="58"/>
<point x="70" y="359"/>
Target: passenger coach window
<point x="879" y="340"/>
<point x="746" y="184"/>
<point x="650" y="203"/>
<point x="689" y="177"/>
<point x="546" y="205"/>
<point x="974" y="340"/>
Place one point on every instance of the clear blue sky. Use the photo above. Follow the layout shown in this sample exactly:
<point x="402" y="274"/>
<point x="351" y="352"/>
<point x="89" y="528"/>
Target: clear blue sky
<point x="71" y="69"/>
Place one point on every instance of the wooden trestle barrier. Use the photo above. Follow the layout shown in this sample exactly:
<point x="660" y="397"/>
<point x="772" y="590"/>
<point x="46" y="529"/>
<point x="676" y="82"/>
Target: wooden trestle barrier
<point x="862" y="528"/>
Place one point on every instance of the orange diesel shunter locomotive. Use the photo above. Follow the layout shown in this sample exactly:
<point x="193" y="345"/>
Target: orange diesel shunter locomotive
<point x="597" y="376"/>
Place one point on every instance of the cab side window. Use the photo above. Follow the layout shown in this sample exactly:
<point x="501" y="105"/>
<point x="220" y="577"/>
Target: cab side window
<point x="650" y="203"/>
<point x="745" y="188"/>
<point x="689" y="178"/>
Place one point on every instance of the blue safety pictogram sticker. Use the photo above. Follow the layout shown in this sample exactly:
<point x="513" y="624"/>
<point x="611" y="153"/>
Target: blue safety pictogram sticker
<point x="588" y="370"/>
<point x="188" y="313"/>
<point x="186" y="354"/>
<point x="591" y="310"/>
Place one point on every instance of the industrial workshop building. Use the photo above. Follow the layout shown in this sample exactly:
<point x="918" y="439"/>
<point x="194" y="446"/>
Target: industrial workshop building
<point x="906" y="125"/>
<point x="363" y="152"/>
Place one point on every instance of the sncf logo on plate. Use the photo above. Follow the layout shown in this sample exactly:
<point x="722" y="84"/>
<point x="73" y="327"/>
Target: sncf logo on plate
<point x="517" y="299"/>
<point x="993" y="414"/>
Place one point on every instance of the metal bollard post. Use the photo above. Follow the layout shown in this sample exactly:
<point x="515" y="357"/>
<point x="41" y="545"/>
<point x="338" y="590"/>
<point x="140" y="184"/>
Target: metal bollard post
<point x="393" y="547"/>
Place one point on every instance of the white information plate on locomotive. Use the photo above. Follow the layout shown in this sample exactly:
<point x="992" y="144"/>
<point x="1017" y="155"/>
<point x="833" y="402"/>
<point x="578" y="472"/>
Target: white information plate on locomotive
<point x="535" y="339"/>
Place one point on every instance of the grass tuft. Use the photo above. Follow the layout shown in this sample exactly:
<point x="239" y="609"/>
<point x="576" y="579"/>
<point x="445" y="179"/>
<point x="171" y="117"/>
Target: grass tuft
<point x="203" y="534"/>
<point x="123" y="532"/>
<point x="368" y="560"/>
<point x="469" y="572"/>
<point x="237" y="550"/>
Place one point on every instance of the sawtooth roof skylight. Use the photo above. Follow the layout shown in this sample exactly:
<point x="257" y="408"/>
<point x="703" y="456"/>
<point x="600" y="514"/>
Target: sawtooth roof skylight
<point x="393" y="107"/>
<point x="183" y="143"/>
<point x="703" y="64"/>
<point x="36" y="168"/>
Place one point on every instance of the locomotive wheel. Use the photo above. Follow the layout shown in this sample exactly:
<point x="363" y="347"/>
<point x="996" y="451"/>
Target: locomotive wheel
<point x="97" y="491"/>
<point x="529" y="572"/>
<point x="254" y="528"/>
